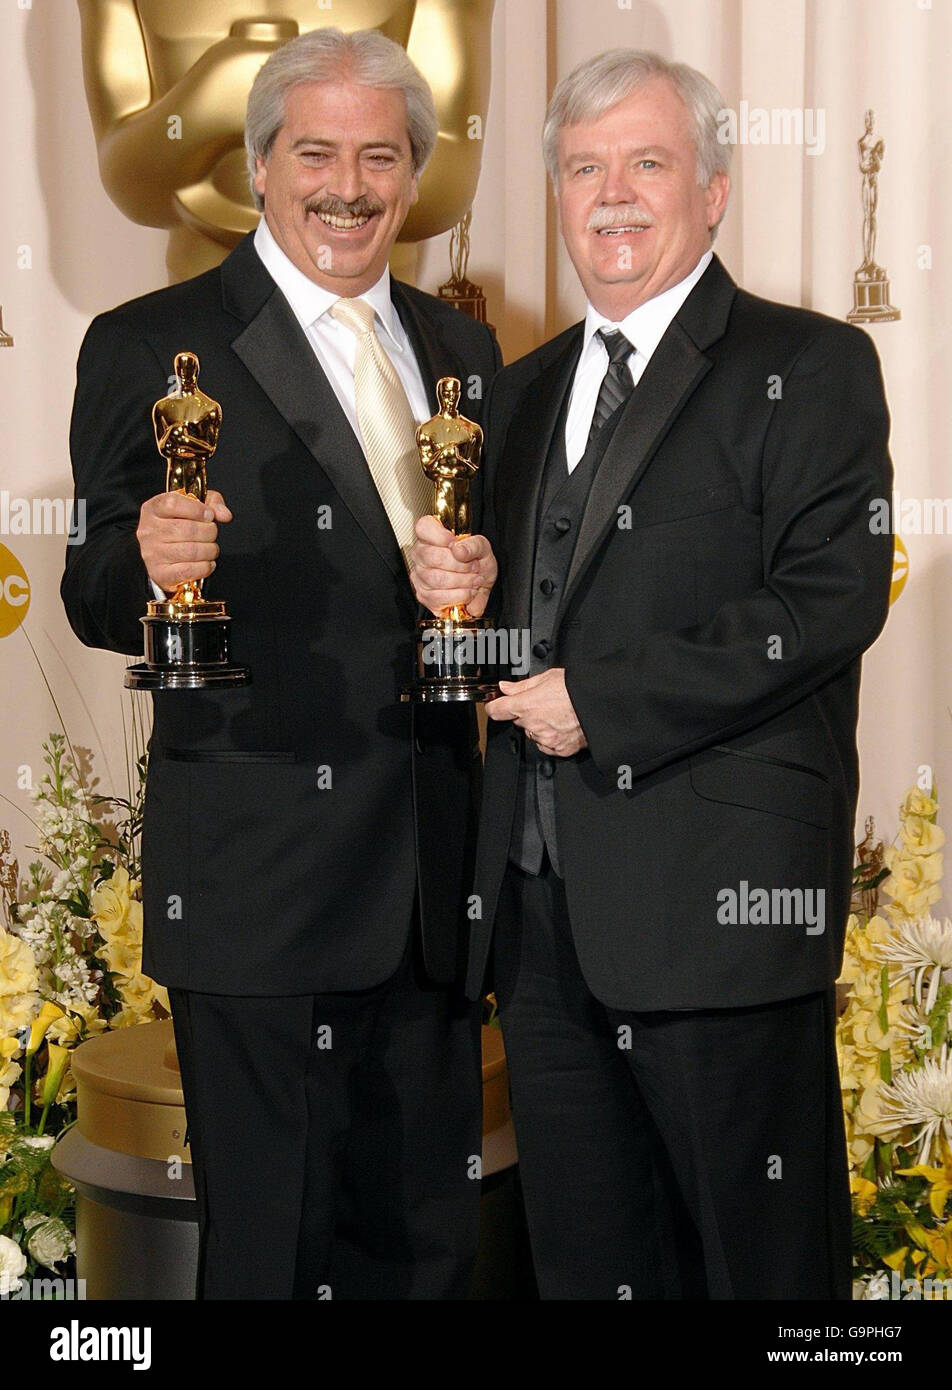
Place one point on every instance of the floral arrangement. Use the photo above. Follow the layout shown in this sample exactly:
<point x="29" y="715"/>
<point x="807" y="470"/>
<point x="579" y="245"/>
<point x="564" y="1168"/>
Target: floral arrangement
<point x="895" y="1065"/>
<point x="70" y="967"/>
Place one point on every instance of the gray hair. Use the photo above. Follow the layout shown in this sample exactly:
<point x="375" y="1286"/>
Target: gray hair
<point x="596" y="85"/>
<point x="365" y="57"/>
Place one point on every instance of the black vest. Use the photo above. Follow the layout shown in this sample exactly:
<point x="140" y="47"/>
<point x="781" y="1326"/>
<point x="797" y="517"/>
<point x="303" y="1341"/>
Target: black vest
<point x="563" y="497"/>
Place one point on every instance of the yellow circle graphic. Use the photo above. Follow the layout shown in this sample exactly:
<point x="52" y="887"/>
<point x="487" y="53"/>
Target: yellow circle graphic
<point x="14" y="592"/>
<point x="900" y="571"/>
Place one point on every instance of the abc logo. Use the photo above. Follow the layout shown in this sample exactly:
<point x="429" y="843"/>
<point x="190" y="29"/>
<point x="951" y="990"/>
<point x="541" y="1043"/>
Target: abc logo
<point x="14" y="592"/>
<point x="900" y="570"/>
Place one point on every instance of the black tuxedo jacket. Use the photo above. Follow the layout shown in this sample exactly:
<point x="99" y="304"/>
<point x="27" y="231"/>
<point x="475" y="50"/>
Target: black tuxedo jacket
<point x="288" y="825"/>
<point x="723" y="585"/>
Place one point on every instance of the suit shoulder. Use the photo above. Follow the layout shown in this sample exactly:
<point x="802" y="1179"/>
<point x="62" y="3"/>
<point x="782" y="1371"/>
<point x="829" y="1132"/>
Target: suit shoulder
<point x="517" y="375"/>
<point x="797" y="328"/>
<point x="462" y="326"/>
<point x="168" y="307"/>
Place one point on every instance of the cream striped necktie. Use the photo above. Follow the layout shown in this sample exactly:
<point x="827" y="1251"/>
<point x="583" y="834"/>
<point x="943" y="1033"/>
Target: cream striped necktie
<point x="386" y="425"/>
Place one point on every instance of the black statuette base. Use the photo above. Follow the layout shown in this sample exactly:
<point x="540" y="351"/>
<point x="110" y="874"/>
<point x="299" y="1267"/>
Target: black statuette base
<point x="448" y="667"/>
<point x="185" y="654"/>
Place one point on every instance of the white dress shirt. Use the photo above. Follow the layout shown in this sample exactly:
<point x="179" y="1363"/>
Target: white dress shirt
<point x="644" y="327"/>
<point x="334" y="345"/>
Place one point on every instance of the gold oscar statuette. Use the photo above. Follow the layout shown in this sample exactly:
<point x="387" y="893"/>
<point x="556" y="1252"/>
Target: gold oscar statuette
<point x="452" y="648"/>
<point x="186" y="635"/>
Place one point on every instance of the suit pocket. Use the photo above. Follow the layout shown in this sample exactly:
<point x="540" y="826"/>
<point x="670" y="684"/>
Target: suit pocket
<point x="684" y="505"/>
<point x="763" y="783"/>
<point x="227" y="755"/>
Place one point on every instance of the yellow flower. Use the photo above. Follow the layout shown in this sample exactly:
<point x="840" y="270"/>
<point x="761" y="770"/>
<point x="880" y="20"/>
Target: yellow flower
<point x="130" y="1018"/>
<point x="912" y="883"/>
<point x="9" y="1070"/>
<point x="58" y="1062"/>
<point x="109" y="903"/>
<point x="864" y="1191"/>
<point x="917" y="803"/>
<point x="137" y="991"/>
<point x="867" y="1112"/>
<point x="16" y="1012"/>
<point x="122" y="956"/>
<point x="939" y="1245"/>
<point x="67" y="1029"/>
<point x="17" y="966"/>
<point x="134" y="919"/>
<point x="47" y="1015"/>
<point x="940" y="1185"/>
<point x="921" y="836"/>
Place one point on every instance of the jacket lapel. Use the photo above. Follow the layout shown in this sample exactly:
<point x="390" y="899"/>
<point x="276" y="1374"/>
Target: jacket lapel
<point x="677" y="366"/>
<point x="521" y="469"/>
<point x="435" y="354"/>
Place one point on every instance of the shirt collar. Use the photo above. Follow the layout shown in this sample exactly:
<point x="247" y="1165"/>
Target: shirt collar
<point x="308" y="300"/>
<point x="647" y="325"/>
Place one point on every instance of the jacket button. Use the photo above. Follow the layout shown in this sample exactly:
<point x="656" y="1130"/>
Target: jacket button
<point x="542" y="649"/>
<point x="514" y="743"/>
<point x="547" y="587"/>
<point x="563" y="524"/>
<point x="546" y="767"/>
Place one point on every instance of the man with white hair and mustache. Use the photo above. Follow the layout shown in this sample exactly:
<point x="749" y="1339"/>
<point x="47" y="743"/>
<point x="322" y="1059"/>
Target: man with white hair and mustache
<point x="677" y="494"/>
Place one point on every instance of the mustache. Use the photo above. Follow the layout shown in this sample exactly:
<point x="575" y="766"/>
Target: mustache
<point x="618" y="215"/>
<point x="364" y="206"/>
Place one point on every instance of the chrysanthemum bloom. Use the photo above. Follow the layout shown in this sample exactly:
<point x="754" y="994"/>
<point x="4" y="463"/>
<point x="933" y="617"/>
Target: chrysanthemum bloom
<point x="919" y="1100"/>
<point x="922" y="949"/>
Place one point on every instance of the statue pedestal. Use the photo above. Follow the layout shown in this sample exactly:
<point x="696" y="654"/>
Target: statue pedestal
<point x="136" y="1228"/>
<point x="871" y="297"/>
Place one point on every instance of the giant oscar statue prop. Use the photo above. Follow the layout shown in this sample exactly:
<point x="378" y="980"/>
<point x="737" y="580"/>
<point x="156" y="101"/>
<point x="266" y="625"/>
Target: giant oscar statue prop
<point x="186" y="635"/>
<point x="450" y="648"/>
<point x="167" y="84"/>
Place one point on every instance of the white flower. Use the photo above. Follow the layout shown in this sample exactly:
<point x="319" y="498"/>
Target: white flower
<point x="912" y="1023"/>
<point x="12" y="1265"/>
<point x="62" y="882"/>
<point x="920" y="1097"/>
<point x="37" y="1141"/>
<point x="51" y="1241"/>
<point x="878" y="1287"/>
<point x="921" y="948"/>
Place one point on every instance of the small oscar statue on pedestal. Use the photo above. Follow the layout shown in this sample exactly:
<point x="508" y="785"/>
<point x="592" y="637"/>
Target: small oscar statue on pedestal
<point x="450" y="648"/>
<point x="870" y="283"/>
<point x="459" y="290"/>
<point x="186" y="635"/>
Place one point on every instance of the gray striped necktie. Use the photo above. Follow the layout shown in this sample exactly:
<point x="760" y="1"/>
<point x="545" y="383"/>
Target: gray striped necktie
<point x="617" y="384"/>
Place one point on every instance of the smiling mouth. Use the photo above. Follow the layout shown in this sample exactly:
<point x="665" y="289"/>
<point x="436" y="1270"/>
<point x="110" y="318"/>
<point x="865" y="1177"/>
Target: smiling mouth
<point x="343" y="224"/>
<point x="619" y="231"/>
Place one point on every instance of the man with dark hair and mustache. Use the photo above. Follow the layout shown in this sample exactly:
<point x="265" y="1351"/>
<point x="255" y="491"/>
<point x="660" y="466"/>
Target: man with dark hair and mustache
<point x="306" y="838"/>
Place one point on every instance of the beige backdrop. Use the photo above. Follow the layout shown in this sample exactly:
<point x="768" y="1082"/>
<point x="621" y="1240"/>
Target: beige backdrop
<point x="793" y="232"/>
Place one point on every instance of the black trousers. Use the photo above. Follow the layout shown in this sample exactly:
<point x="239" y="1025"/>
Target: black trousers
<point x="333" y="1140"/>
<point x="683" y="1154"/>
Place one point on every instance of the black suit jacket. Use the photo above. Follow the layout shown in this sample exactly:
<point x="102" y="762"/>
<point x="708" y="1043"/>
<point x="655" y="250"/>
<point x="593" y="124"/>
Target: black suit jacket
<point x="279" y="845"/>
<point x="731" y="510"/>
